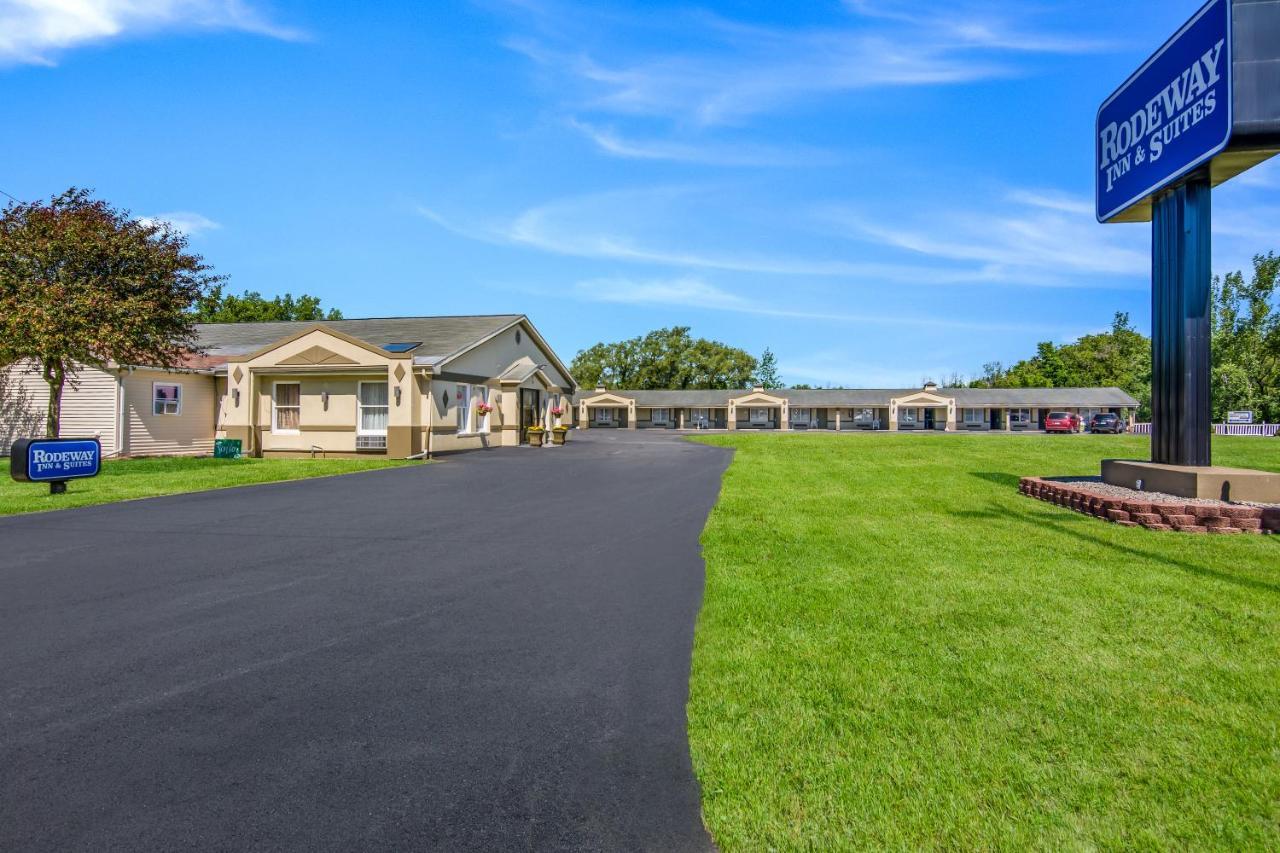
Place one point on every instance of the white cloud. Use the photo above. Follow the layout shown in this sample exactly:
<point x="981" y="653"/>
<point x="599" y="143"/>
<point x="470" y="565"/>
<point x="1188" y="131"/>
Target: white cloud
<point x="1052" y="240"/>
<point x="1053" y="200"/>
<point x="664" y="226"/>
<point x="724" y="72"/>
<point x="35" y="31"/>
<point x="693" y="292"/>
<point x="185" y="221"/>
<point x="611" y="142"/>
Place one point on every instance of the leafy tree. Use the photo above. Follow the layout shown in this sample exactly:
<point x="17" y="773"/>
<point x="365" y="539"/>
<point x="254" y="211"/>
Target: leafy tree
<point x="82" y="282"/>
<point x="253" y="307"/>
<point x="1246" y="340"/>
<point x="664" y="359"/>
<point x="767" y="371"/>
<point x="1120" y="357"/>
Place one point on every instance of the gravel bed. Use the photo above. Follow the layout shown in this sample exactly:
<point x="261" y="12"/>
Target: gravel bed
<point x="1095" y="485"/>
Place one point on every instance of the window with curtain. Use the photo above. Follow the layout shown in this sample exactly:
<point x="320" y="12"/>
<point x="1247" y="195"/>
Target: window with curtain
<point x="286" y="407"/>
<point x="166" y="398"/>
<point x="1020" y="416"/>
<point x="974" y="416"/>
<point x="463" y="402"/>
<point x="373" y="411"/>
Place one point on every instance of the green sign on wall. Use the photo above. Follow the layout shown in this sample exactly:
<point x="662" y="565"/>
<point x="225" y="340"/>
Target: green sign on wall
<point x="226" y="448"/>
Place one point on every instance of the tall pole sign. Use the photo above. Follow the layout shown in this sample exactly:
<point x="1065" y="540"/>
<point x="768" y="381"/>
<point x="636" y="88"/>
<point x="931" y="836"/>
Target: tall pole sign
<point x="1202" y="109"/>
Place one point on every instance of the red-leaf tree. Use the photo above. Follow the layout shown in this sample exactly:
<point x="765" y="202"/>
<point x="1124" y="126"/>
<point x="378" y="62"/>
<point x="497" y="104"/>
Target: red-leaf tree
<point x="82" y="283"/>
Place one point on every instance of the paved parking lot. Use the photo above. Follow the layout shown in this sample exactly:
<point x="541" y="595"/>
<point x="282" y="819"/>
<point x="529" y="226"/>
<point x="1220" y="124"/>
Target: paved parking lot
<point x="490" y="652"/>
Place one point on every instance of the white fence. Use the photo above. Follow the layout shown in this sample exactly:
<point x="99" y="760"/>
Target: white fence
<point x="1263" y="430"/>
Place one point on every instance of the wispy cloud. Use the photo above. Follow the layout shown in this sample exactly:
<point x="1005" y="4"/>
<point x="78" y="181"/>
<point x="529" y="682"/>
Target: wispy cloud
<point x="185" y="221"/>
<point x="1052" y="239"/>
<point x="610" y="141"/>
<point x="36" y="31"/>
<point x="1036" y="248"/>
<point x="726" y="71"/>
<point x="694" y="292"/>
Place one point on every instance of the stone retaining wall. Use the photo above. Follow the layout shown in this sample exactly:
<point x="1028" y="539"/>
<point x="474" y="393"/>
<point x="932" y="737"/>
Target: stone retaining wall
<point x="1155" y="515"/>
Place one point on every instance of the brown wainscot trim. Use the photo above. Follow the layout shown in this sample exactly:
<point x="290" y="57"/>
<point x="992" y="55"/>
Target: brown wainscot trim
<point x="400" y="441"/>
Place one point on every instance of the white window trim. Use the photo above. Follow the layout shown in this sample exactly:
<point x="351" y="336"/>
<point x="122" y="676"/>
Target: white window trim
<point x="480" y="393"/>
<point x="275" y="429"/>
<point x="360" y="407"/>
<point x="181" y="394"/>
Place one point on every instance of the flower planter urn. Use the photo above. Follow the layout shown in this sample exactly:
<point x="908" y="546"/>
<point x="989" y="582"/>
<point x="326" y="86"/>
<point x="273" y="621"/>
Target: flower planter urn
<point x="559" y="435"/>
<point x="535" y="438"/>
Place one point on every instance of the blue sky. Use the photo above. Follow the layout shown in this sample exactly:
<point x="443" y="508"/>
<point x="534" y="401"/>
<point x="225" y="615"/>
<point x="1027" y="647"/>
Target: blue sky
<point x="878" y="190"/>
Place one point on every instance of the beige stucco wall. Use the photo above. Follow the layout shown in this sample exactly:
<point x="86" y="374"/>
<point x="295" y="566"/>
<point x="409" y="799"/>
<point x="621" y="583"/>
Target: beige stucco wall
<point x="495" y="355"/>
<point x="149" y="434"/>
<point x="443" y="416"/>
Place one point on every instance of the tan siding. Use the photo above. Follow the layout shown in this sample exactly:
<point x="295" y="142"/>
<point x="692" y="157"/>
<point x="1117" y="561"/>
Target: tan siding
<point x="497" y="354"/>
<point x="24" y="399"/>
<point x="89" y="407"/>
<point x="149" y="434"/>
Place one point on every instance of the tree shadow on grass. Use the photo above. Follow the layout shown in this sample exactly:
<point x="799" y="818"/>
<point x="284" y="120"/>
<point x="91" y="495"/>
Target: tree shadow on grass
<point x="1000" y="478"/>
<point x="1073" y="526"/>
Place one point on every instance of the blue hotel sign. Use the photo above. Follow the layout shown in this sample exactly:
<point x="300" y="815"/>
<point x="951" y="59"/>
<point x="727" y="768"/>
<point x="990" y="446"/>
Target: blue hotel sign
<point x="1171" y="116"/>
<point x="54" y="460"/>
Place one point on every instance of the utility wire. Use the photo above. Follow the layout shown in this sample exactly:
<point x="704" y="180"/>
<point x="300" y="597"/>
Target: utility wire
<point x="15" y="198"/>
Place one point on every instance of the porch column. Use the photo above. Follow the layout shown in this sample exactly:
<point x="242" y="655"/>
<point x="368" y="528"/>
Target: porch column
<point x="784" y="414"/>
<point x="239" y="421"/>
<point x="951" y="416"/>
<point x="680" y="417"/>
<point x="837" y="420"/>
<point x="631" y="415"/>
<point x="731" y="418"/>
<point x="893" y="416"/>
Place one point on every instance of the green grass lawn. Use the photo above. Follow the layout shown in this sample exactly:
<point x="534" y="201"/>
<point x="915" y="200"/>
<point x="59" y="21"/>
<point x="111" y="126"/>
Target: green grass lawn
<point x="897" y="650"/>
<point x="126" y="479"/>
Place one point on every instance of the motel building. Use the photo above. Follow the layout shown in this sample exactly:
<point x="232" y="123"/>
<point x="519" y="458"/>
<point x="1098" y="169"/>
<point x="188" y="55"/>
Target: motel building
<point x="395" y="387"/>
<point x="927" y="408"/>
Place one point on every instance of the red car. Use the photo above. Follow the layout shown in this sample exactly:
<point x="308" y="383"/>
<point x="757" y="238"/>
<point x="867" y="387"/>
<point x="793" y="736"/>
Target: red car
<point x="1061" y="422"/>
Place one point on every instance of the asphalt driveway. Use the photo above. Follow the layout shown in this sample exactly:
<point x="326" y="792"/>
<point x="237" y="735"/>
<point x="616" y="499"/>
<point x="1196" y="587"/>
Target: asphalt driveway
<point x="491" y="652"/>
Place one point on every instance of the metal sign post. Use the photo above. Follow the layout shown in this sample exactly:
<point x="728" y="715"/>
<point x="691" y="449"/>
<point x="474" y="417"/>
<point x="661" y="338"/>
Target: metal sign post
<point x="1204" y="108"/>
<point x="1181" y="424"/>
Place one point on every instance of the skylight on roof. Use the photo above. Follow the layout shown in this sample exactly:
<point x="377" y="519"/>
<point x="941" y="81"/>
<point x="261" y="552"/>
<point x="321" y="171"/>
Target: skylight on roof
<point x="402" y="347"/>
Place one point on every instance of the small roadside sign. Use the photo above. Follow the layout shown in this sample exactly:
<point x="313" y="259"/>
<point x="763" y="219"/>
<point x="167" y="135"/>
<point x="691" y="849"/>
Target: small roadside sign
<point x="54" y="461"/>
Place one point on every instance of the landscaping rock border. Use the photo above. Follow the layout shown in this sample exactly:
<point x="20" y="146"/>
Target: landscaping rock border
<point x="1199" y="517"/>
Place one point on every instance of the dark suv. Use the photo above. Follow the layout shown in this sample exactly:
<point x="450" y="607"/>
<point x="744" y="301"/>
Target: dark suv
<point x="1106" y="422"/>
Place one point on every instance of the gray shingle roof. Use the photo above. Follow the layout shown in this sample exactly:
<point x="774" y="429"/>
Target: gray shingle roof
<point x="696" y="399"/>
<point x="855" y="397"/>
<point x="440" y="336"/>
